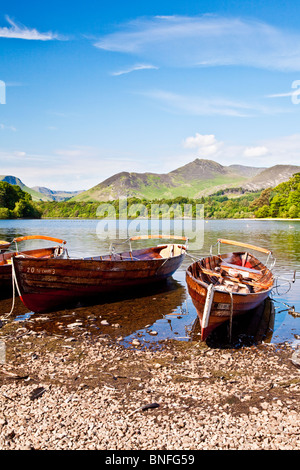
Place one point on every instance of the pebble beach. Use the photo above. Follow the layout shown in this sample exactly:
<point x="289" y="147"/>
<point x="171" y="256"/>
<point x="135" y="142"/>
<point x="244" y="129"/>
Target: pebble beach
<point x="83" y="392"/>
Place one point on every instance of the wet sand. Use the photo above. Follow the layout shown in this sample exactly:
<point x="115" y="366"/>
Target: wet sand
<point x="69" y="388"/>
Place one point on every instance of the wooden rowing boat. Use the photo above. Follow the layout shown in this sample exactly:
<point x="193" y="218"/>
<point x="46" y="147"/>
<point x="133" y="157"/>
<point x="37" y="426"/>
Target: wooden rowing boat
<point x="6" y="257"/>
<point x="46" y="284"/>
<point x="226" y="285"/>
<point x="253" y="327"/>
<point x="4" y="246"/>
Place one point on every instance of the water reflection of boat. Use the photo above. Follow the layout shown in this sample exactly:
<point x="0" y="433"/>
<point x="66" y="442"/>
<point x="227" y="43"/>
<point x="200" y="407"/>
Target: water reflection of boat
<point x="45" y="285"/>
<point x="226" y="285"/>
<point x="255" y="326"/>
<point x="6" y="258"/>
<point x="131" y="313"/>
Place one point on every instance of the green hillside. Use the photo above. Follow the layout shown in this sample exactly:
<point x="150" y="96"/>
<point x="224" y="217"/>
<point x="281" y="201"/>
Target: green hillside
<point x="36" y="196"/>
<point x="16" y="203"/>
<point x="196" y="179"/>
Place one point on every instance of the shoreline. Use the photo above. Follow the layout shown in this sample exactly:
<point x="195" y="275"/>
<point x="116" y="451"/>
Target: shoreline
<point x="90" y="393"/>
<point x="145" y="218"/>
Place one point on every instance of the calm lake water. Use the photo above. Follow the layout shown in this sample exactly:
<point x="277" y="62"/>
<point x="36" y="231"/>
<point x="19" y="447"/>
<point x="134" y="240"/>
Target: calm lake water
<point x="167" y="312"/>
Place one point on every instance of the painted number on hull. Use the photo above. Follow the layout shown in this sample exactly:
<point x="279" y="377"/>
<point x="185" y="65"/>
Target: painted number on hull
<point x="220" y="306"/>
<point x="32" y="270"/>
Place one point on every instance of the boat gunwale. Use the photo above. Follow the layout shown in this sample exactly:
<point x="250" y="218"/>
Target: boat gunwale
<point x="206" y="285"/>
<point x="96" y="258"/>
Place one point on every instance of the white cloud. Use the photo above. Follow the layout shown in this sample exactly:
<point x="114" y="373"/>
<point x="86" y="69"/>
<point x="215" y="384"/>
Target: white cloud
<point x="206" y="40"/>
<point x="22" y="32"/>
<point x="283" y="150"/>
<point x="19" y="153"/>
<point x="205" y="145"/>
<point x="199" y="140"/>
<point x="134" y="68"/>
<point x="255" y="151"/>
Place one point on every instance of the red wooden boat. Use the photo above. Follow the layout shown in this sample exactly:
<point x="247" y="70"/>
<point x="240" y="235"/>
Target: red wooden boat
<point x="6" y="257"/>
<point x="226" y="285"/>
<point x="46" y="284"/>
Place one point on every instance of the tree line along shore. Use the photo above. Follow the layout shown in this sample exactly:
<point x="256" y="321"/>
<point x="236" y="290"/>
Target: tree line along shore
<point x="282" y="202"/>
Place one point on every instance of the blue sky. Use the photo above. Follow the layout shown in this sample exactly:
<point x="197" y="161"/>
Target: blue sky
<point x="93" y="88"/>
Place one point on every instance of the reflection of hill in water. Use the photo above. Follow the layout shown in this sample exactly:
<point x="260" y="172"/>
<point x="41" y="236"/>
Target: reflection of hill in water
<point x="249" y="329"/>
<point x="130" y="313"/>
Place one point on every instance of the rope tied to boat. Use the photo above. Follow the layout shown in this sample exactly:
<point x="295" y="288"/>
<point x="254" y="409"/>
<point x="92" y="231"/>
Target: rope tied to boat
<point x="231" y="316"/>
<point x="192" y="258"/>
<point x="13" y="275"/>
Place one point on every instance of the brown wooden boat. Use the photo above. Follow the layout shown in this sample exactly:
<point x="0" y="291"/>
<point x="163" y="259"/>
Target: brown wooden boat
<point x="46" y="284"/>
<point x="227" y="285"/>
<point x="4" y="246"/>
<point x="6" y="257"/>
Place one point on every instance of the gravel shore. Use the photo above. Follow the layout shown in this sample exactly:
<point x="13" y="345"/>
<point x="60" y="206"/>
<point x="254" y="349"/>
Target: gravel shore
<point x="89" y="392"/>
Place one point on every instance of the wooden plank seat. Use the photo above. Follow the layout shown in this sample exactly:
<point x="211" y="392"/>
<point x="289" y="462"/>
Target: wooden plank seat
<point x="225" y="265"/>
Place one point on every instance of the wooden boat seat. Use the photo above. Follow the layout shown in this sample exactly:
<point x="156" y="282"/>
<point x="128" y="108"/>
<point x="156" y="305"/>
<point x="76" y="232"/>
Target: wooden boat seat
<point x="171" y="250"/>
<point x="224" y="264"/>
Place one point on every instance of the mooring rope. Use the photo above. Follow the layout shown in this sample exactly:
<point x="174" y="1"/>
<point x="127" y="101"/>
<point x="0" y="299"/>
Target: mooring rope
<point x="231" y="315"/>
<point x="6" y="315"/>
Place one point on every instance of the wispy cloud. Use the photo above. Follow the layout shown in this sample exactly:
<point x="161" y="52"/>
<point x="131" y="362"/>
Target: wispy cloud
<point x="134" y="68"/>
<point x="22" y="32"/>
<point x="283" y="95"/>
<point x="293" y="93"/>
<point x="208" y="106"/>
<point x="206" y="40"/>
<point x="70" y="168"/>
<point x="5" y="127"/>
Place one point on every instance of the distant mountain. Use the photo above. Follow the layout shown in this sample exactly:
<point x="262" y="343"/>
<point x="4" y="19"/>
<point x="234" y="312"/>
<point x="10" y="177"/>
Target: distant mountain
<point x="247" y="171"/>
<point x="39" y="193"/>
<point x="271" y="177"/>
<point x="36" y="196"/>
<point x="56" y="195"/>
<point x="196" y="179"/>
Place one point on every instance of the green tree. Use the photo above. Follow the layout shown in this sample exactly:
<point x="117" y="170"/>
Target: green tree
<point x="16" y="203"/>
<point x="262" y="212"/>
<point x="293" y="212"/>
<point x="5" y="213"/>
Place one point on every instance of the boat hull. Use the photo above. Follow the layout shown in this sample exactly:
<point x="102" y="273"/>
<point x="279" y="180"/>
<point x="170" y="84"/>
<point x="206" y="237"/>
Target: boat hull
<point x="6" y="266"/>
<point x="5" y="279"/>
<point x="221" y="306"/>
<point x="45" y="285"/>
<point x="224" y="305"/>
